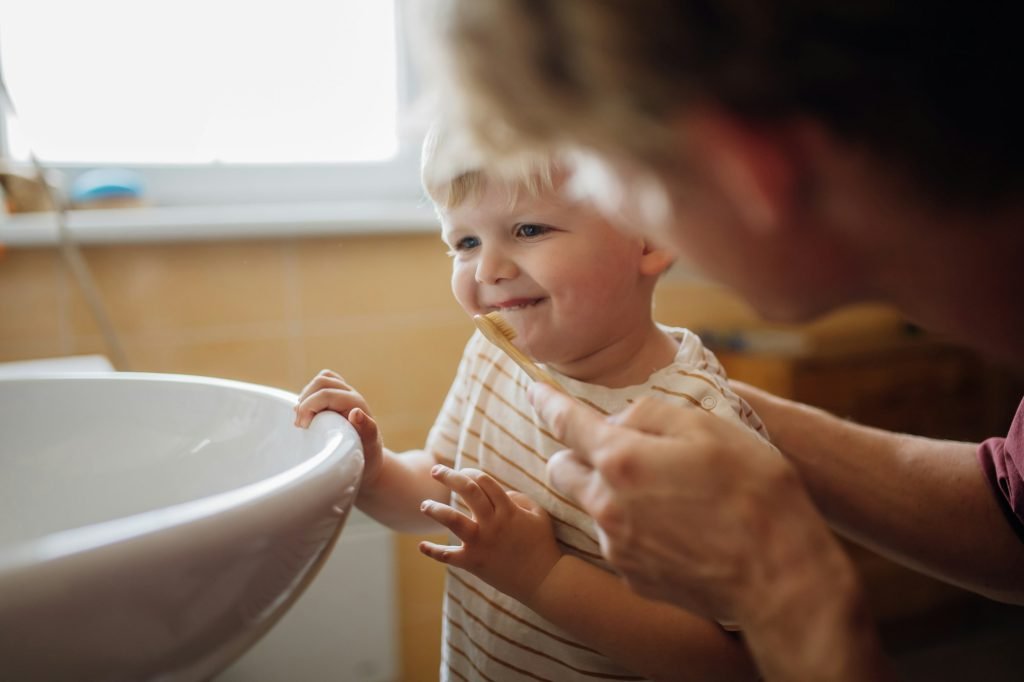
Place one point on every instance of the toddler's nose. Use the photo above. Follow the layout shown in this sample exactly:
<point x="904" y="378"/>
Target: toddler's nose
<point x="494" y="266"/>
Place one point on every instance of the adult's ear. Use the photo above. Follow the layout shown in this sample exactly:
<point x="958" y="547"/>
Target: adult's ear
<point x="757" y="167"/>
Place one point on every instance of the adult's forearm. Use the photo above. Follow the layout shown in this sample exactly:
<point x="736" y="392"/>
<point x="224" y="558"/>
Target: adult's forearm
<point x="801" y="604"/>
<point x="814" y="624"/>
<point x="922" y="502"/>
<point x="807" y="621"/>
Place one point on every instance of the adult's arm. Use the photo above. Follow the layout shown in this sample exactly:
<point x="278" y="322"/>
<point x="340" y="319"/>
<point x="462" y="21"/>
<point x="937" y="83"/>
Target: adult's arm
<point x="700" y="512"/>
<point x="922" y="502"/>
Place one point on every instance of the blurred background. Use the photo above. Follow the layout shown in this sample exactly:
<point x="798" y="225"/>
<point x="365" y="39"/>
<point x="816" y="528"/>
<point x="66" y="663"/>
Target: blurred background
<point x="242" y="186"/>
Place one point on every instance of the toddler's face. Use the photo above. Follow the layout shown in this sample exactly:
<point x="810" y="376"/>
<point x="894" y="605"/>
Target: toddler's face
<point x="564" y="278"/>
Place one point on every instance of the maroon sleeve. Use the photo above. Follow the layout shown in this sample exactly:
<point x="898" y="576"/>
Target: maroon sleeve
<point x="1002" y="460"/>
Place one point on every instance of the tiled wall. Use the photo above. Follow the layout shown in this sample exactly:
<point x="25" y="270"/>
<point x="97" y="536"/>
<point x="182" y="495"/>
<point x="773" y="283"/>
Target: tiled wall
<point x="376" y="308"/>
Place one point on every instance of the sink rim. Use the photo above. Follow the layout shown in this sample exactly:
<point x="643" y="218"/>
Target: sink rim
<point x="330" y="427"/>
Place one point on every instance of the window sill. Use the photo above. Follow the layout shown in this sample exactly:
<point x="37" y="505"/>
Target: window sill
<point x="207" y="223"/>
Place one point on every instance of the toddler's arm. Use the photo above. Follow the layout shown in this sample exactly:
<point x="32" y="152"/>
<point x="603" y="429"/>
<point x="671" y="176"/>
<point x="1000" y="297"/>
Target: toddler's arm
<point x="508" y="542"/>
<point x="652" y="638"/>
<point x="394" y="484"/>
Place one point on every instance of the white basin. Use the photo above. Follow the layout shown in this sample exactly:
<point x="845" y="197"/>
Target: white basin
<point x="154" y="526"/>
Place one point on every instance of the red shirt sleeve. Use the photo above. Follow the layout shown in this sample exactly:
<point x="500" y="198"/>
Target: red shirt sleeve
<point x="1002" y="460"/>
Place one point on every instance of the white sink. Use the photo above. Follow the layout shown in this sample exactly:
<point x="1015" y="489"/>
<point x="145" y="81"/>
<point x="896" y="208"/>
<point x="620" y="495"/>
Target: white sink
<point x="154" y="526"/>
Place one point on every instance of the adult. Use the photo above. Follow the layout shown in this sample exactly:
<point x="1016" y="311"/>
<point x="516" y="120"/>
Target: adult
<point x="808" y="154"/>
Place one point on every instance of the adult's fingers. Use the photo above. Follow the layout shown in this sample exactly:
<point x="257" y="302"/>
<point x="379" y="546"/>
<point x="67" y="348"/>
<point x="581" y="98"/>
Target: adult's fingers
<point x="580" y="427"/>
<point x="570" y="474"/>
<point x="577" y="479"/>
<point x="659" y="418"/>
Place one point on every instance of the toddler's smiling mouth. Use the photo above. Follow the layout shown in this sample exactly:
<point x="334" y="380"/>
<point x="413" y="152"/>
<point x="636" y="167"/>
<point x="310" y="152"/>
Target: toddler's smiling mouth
<point x="515" y="304"/>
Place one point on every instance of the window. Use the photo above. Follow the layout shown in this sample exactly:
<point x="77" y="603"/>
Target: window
<point x="215" y="101"/>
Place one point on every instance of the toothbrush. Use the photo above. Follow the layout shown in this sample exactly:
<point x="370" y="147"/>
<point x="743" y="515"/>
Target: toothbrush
<point x="500" y="333"/>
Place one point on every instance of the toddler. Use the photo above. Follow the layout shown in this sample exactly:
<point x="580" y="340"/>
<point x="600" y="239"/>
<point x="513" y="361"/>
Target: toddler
<point x="529" y="596"/>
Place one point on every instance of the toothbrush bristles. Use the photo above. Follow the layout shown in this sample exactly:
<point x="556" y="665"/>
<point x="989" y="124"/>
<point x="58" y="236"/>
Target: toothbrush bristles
<point x="503" y="326"/>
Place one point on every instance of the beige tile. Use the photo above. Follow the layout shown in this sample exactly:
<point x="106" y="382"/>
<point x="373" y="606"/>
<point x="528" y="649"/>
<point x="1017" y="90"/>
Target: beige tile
<point x="142" y="354"/>
<point x="94" y="344"/>
<point x="30" y="296"/>
<point x="406" y="432"/>
<point x="373" y="276"/>
<point x="15" y="350"/>
<point x="257" y="360"/>
<point x="261" y="361"/>
<point x="400" y="368"/>
<point x="170" y="287"/>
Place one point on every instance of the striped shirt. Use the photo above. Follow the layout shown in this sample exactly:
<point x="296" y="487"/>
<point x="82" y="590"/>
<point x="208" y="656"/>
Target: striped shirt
<point x="487" y="423"/>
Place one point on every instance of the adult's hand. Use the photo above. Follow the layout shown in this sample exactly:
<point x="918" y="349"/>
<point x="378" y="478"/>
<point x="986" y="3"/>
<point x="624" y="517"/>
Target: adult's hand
<point x="689" y="505"/>
<point x="702" y="513"/>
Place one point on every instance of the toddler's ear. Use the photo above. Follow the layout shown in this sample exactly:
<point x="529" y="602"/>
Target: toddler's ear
<point x="655" y="260"/>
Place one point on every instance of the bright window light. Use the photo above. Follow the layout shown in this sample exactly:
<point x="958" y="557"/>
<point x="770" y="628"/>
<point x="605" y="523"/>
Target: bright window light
<point x="201" y="81"/>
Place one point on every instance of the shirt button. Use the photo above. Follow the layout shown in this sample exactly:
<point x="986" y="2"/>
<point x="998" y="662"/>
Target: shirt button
<point x="708" y="402"/>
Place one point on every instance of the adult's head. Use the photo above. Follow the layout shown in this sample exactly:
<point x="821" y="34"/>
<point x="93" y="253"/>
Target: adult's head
<point x="811" y="153"/>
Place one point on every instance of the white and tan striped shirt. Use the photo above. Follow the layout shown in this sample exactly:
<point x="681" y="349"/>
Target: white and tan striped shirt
<point x="487" y="423"/>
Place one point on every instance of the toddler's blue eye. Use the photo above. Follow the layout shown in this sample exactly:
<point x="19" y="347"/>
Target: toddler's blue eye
<point x="531" y="230"/>
<point x="467" y="243"/>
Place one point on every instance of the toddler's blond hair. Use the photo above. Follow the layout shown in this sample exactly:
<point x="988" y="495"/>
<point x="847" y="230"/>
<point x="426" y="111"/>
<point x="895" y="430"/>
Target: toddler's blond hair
<point x="452" y="172"/>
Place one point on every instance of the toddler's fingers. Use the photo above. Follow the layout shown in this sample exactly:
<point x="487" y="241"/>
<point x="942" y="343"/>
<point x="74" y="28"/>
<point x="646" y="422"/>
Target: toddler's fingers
<point x="458" y="523"/>
<point x="525" y="502"/>
<point x="366" y="427"/>
<point x="334" y="399"/>
<point x="322" y="381"/>
<point x="495" y="493"/>
<point x="369" y="436"/>
<point x="446" y="554"/>
<point x="304" y="413"/>
<point x="471" y="493"/>
<point x="307" y="408"/>
<point x="312" y="384"/>
<point x="328" y="373"/>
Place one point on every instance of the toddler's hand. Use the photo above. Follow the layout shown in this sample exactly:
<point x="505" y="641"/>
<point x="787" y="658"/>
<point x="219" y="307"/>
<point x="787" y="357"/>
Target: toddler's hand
<point x="329" y="391"/>
<point x="508" y="542"/>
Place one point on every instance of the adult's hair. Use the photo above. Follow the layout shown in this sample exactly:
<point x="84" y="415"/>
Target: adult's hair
<point x="929" y="89"/>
